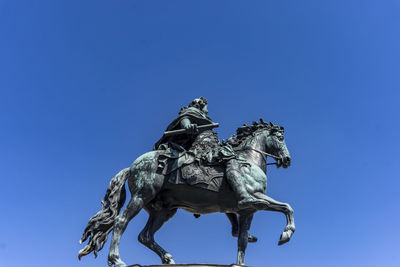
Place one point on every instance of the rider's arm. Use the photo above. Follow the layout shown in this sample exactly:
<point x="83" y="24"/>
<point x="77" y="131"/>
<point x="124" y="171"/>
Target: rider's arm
<point x="187" y="124"/>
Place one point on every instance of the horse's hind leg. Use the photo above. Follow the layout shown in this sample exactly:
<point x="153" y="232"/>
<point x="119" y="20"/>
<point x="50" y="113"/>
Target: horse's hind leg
<point x="156" y="219"/>
<point x="120" y="223"/>
<point x="285" y="208"/>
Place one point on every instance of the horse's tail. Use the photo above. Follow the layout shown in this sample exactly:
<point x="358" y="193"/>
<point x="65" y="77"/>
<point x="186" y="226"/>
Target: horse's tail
<point x="101" y="224"/>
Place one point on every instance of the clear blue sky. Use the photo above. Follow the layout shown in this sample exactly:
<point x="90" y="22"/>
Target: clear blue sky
<point x="88" y="86"/>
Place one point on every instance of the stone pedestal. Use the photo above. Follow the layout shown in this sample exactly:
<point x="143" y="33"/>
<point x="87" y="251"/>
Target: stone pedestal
<point x="189" y="265"/>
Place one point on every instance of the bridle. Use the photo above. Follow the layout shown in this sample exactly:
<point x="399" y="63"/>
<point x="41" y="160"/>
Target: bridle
<point x="264" y="154"/>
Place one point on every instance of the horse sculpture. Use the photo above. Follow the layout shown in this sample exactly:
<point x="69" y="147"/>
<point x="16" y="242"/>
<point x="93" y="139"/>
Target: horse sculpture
<point x="151" y="190"/>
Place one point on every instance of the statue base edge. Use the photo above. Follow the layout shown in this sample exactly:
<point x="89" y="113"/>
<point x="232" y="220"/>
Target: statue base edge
<point x="189" y="265"/>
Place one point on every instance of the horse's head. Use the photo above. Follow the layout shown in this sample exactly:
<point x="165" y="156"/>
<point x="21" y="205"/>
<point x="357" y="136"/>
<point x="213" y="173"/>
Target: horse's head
<point x="266" y="138"/>
<point x="276" y="146"/>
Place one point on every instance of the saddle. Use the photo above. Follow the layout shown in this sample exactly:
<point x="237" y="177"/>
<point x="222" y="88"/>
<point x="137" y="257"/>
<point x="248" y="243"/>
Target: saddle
<point x="201" y="166"/>
<point x="208" y="177"/>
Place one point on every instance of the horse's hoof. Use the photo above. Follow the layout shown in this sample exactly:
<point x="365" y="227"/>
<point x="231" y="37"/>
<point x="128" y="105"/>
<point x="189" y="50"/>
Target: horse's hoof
<point x="252" y="239"/>
<point x="167" y="259"/>
<point x="111" y="259"/>
<point x="284" y="238"/>
<point x="116" y="261"/>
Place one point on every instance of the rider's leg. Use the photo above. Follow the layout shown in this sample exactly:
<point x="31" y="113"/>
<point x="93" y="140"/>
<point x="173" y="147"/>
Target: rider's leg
<point x="237" y="181"/>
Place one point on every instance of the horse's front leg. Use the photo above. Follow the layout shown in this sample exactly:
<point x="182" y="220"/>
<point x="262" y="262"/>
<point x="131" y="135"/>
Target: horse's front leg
<point x="244" y="226"/>
<point x="235" y="227"/>
<point x="285" y="208"/>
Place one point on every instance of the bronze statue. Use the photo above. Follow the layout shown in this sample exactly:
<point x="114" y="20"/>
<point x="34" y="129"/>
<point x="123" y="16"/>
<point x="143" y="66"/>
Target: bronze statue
<point x="190" y="169"/>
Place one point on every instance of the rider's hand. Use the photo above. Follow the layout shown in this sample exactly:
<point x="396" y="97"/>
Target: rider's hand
<point x="191" y="128"/>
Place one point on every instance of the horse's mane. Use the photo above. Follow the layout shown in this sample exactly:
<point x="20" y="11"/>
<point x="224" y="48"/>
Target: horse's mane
<point x="246" y="131"/>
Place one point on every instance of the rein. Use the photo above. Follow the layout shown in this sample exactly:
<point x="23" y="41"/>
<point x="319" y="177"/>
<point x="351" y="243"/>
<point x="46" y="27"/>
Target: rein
<point x="264" y="154"/>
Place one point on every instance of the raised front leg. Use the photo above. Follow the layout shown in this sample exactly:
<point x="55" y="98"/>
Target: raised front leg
<point x="244" y="226"/>
<point x="286" y="209"/>
<point x="235" y="227"/>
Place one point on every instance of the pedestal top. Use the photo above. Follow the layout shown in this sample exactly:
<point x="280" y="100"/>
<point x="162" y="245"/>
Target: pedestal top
<point x="189" y="265"/>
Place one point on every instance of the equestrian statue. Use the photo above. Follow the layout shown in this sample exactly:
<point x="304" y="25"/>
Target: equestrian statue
<point x="189" y="168"/>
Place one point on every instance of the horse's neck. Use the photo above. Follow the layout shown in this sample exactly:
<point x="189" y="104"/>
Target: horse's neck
<point x="249" y="152"/>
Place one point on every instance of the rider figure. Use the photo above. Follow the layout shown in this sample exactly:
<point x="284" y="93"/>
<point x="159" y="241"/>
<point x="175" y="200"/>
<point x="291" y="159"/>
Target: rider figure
<point x="206" y="147"/>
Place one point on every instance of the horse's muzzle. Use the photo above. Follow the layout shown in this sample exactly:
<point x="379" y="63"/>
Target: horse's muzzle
<point x="284" y="161"/>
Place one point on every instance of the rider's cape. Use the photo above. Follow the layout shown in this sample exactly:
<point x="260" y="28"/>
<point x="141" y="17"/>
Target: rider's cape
<point x="195" y="116"/>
